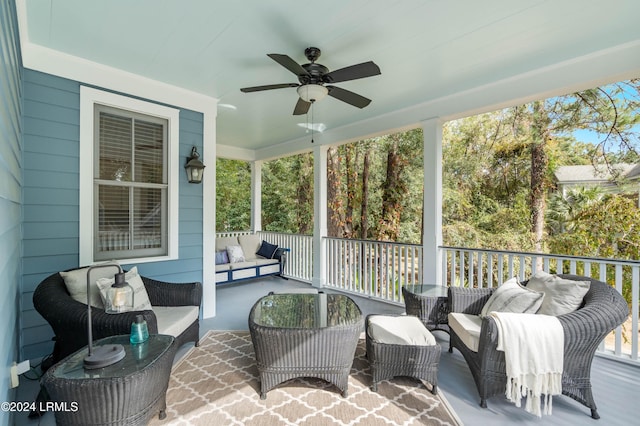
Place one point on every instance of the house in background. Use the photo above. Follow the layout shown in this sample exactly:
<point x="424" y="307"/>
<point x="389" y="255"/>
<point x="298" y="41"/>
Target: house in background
<point x="619" y="179"/>
<point x="182" y="65"/>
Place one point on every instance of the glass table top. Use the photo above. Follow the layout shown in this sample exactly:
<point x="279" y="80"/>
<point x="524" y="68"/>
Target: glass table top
<point x="305" y="311"/>
<point x="136" y="357"/>
<point x="427" y="290"/>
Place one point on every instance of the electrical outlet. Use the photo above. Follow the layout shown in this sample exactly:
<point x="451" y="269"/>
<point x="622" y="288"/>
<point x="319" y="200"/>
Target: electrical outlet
<point x="15" y="381"/>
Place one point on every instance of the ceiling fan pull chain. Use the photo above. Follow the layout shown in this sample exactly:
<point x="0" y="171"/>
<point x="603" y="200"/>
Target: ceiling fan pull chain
<point x="312" y="102"/>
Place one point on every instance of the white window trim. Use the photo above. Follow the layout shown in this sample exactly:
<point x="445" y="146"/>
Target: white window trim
<point x="88" y="98"/>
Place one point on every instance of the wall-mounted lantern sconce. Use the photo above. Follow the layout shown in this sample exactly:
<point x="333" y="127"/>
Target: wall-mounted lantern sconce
<point x="194" y="167"/>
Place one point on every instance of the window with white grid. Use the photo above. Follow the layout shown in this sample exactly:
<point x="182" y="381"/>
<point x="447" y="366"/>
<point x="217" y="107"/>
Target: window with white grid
<point x="131" y="177"/>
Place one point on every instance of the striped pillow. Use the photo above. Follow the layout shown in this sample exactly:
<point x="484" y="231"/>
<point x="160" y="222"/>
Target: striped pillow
<point x="512" y="297"/>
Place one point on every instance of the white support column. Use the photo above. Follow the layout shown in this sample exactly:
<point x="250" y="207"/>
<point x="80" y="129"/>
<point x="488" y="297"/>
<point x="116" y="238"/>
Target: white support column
<point x="256" y="196"/>
<point x="209" y="214"/>
<point x="319" y="215"/>
<point x="432" y="219"/>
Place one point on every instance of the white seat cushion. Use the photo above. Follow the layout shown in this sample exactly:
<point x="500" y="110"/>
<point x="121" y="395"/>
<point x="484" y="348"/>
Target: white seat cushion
<point x="223" y="267"/>
<point x="402" y="330"/>
<point x="173" y="320"/>
<point x="467" y="328"/>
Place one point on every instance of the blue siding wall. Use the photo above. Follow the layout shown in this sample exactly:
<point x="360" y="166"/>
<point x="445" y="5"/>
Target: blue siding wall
<point x="51" y="198"/>
<point x="10" y="195"/>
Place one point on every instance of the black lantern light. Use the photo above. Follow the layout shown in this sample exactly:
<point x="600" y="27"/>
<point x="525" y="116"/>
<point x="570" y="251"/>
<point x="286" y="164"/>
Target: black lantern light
<point x="121" y="294"/>
<point x="194" y="167"/>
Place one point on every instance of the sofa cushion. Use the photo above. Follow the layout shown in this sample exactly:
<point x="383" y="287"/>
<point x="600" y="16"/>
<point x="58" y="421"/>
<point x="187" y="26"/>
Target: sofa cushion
<point x="399" y="330"/>
<point x="250" y="245"/>
<point x="267" y="250"/>
<point x="513" y="297"/>
<point x="223" y="267"/>
<point x="140" y="297"/>
<point x="76" y="283"/>
<point x="173" y="320"/>
<point x="561" y="296"/>
<point x="467" y="328"/>
<point x="223" y="242"/>
<point x="261" y="262"/>
<point x="235" y="253"/>
<point x="245" y="264"/>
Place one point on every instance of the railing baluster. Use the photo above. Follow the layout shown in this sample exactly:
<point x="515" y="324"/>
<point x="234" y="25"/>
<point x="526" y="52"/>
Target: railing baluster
<point x="635" y="291"/>
<point x="618" y="331"/>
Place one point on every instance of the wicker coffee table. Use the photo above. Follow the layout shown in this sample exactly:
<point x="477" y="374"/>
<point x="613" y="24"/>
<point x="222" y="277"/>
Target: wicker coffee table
<point x="305" y="335"/>
<point x="430" y="303"/>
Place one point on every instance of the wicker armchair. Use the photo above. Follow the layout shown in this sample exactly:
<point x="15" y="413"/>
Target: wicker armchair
<point x="68" y="317"/>
<point x="603" y="309"/>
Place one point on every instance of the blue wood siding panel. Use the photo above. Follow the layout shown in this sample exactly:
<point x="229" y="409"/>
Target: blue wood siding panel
<point x="10" y="196"/>
<point x="51" y="198"/>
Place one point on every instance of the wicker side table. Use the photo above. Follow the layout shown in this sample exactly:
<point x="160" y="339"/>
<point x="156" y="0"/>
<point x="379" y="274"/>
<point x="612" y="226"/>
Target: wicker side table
<point x="304" y="335"/>
<point x="428" y="302"/>
<point x="128" y="392"/>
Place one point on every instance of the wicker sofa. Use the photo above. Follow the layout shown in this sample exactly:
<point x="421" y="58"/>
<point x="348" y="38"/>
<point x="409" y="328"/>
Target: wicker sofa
<point x="603" y="309"/>
<point x="68" y="317"/>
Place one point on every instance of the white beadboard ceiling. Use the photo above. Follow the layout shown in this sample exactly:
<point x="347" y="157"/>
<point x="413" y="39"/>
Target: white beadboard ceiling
<point x="438" y="58"/>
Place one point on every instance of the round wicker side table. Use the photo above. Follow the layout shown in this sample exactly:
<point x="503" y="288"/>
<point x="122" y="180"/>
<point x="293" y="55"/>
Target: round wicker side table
<point x="128" y="392"/>
<point x="430" y="303"/>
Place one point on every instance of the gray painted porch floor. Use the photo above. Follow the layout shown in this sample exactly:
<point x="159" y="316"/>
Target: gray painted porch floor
<point x="616" y="385"/>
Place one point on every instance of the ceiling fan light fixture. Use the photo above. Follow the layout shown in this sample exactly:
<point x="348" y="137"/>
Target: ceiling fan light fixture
<point x="312" y="92"/>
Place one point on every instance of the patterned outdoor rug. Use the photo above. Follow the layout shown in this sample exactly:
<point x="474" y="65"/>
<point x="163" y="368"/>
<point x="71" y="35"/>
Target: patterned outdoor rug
<point x="217" y="384"/>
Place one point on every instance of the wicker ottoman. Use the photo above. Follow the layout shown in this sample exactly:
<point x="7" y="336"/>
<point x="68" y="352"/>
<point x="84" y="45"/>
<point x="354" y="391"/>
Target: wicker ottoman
<point x="401" y="346"/>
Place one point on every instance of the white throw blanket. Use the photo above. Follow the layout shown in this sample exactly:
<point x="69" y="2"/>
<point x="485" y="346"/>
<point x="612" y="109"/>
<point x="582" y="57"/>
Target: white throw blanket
<point x="533" y="347"/>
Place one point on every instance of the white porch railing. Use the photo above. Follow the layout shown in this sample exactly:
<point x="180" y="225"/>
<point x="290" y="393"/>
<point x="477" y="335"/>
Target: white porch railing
<point x="375" y="269"/>
<point x="299" y="263"/>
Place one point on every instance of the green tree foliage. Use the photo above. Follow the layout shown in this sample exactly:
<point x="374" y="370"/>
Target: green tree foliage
<point x="287" y="194"/>
<point x="233" y="195"/>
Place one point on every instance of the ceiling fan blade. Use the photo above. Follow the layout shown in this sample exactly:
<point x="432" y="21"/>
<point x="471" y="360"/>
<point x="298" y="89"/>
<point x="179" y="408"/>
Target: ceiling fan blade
<point x="365" y="69"/>
<point x="288" y="63"/>
<point x="348" y="97"/>
<point x="301" y="107"/>
<point x="268" y="87"/>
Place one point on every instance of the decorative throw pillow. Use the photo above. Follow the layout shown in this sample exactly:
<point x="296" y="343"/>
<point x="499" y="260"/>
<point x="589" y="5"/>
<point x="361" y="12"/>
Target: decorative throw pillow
<point x="140" y="297"/>
<point x="221" y="257"/>
<point x="512" y="297"/>
<point x="561" y="296"/>
<point x="235" y="253"/>
<point x="267" y="250"/>
<point x="76" y="283"/>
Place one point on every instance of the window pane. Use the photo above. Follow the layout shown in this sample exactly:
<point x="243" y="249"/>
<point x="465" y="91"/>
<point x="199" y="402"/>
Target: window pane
<point x="147" y="216"/>
<point x="115" y="147"/>
<point x="113" y="218"/>
<point x="149" y="149"/>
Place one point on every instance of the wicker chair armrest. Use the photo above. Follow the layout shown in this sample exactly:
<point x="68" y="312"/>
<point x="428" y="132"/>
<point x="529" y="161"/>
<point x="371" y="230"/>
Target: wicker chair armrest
<point x="468" y="300"/>
<point x="173" y="294"/>
<point x="105" y="325"/>
<point x="604" y="311"/>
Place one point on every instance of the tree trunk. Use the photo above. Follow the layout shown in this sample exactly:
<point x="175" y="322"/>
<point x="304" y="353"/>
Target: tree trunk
<point x="539" y="164"/>
<point x="352" y="174"/>
<point x="304" y="194"/>
<point x="334" y="194"/>
<point x="393" y="191"/>
<point x="364" y="203"/>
